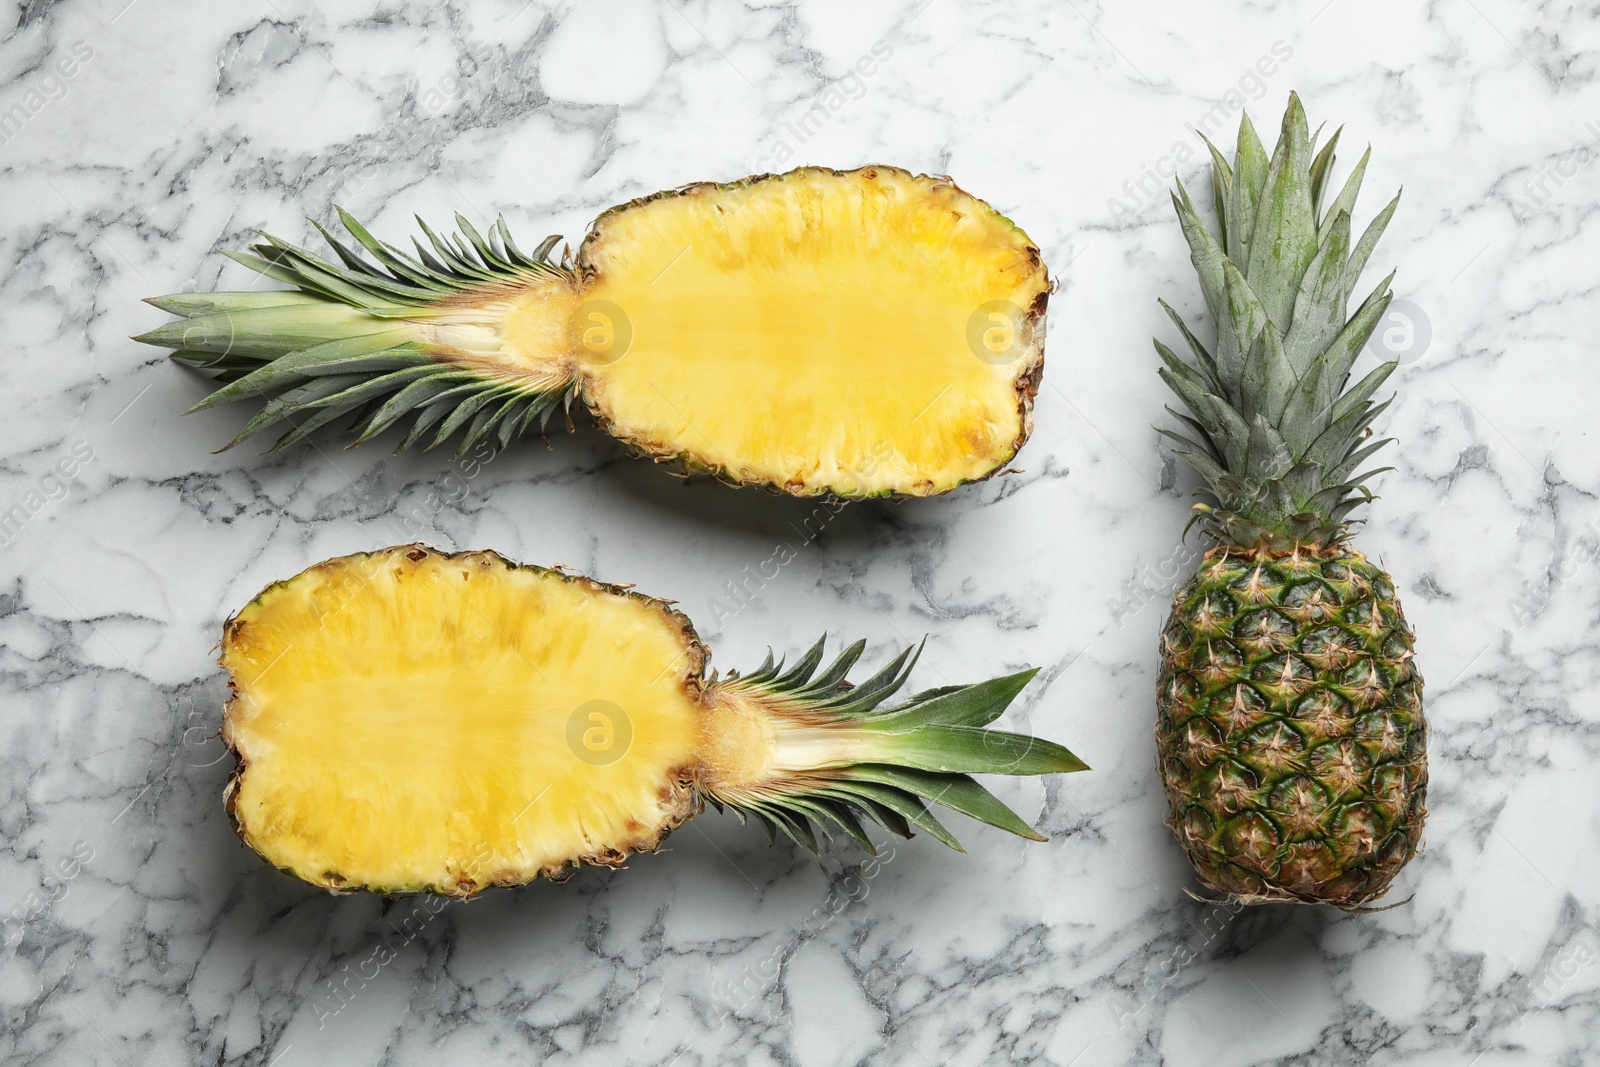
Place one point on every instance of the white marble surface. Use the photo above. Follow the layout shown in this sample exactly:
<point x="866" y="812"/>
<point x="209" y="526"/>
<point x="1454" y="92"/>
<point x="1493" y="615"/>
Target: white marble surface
<point x="139" y="931"/>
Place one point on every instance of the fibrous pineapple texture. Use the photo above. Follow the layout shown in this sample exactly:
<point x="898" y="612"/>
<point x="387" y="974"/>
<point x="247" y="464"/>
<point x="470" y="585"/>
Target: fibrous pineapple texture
<point x="407" y="720"/>
<point x="1290" y="733"/>
<point x="852" y="334"/>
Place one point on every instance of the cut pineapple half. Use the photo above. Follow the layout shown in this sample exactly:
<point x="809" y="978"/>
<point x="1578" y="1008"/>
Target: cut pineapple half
<point x="409" y="720"/>
<point x="854" y="334"/>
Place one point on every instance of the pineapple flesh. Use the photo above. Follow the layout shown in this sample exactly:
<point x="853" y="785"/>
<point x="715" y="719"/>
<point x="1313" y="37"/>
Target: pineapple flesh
<point x="849" y="334"/>
<point x="1290" y="733"/>
<point x="407" y="720"/>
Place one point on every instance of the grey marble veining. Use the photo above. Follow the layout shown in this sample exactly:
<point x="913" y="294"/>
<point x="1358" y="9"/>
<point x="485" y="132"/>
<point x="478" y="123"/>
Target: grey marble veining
<point x="137" y="138"/>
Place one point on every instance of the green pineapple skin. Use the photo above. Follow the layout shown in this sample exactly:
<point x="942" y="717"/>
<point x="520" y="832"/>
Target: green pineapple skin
<point x="1290" y="737"/>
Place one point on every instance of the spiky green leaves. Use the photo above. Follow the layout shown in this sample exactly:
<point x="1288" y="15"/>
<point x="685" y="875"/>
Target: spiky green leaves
<point x="899" y="759"/>
<point x="1274" y="426"/>
<point x="361" y="338"/>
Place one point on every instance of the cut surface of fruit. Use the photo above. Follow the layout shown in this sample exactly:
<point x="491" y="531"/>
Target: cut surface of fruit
<point x="374" y="751"/>
<point x="409" y="720"/>
<point x="817" y="333"/>
<point x="854" y="334"/>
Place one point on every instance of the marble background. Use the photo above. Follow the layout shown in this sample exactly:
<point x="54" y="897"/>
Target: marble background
<point x="138" y="931"/>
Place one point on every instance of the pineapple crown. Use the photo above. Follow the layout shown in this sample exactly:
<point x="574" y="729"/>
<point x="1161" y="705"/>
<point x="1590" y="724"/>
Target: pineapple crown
<point x="924" y="749"/>
<point x="1274" y="426"/>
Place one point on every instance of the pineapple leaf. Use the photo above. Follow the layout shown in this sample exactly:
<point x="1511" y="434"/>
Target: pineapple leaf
<point x="1204" y="252"/>
<point x="1236" y="332"/>
<point x="414" y="395"/>
<point x="368" y="352"/>
<point x="903" y="804"/>
<point x="885" y="764"/>
<point x="1202" y="355"/>
<point x="1358" y="395"/>
<point x="969" y="705"/>
<point x="291" y="401"/>
<point x="1250" y="166"/>
<point x="1346" y="200"/>
<point x="1221" y="189"/>
<point x="1346" y="348"/>
<point x="1369" y="239"/>
<point x="1338" y="439"/>
<point x="969" y="750"/>
<point x="1202" y="436"/>
<point x="1321" y="167"/>
<point x="954" y="791"/>
<point x="1268" y="453"/>
<point x="1283" y="240"/>
<point x="1319" y="305"/>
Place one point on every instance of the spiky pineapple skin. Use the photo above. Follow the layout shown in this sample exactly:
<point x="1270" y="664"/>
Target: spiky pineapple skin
<point x="1291" y="738"/>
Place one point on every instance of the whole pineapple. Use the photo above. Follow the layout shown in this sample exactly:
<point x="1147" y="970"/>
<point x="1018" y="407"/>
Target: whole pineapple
<point x="1290" y="737"/>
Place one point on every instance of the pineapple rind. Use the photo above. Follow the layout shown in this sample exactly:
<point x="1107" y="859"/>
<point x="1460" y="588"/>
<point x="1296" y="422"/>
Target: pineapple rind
<point x="1291" y="736"/>
<point x="1266" y="803"/>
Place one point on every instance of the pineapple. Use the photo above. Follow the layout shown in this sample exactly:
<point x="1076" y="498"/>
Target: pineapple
<point x="1290" y="735"/>
<point x="823" y="333"/>
<point x="407" y="720"/>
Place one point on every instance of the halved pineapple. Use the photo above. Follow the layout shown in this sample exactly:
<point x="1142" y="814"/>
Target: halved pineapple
<point x="855" y="334"/>
<point x="409" y="720"/>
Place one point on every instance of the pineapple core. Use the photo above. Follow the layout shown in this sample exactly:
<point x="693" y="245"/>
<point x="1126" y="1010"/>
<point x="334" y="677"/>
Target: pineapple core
<point x="415" y="721"/>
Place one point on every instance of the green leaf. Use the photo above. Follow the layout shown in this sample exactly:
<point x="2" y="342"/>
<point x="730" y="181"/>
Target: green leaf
<point x="1221" y="189"/>
<point x="1205" y="253"/>
<point x="1237" y="330"/>
<point x="291" y="401"/>
<point x="966" y="750"/>
<point x="1362" y="391"/>
<point x="333" y="357"/>
<point x="899" y="802"/>
<point x="1368" y="241"/>
<point x="1202" y="355"/>
<point x="414" y="395"/>
<point x="1201" y="436"/>
<point x="1319" y="305"/>
<point x="194" y="304"/>
<point x="1250" y="167"/>
<point x="1268" y="453"/>
<point x="1346" y="348"/>
<point x="971" y="705"/>
<point x="1320" y="169"/>
<point x="954" y="791"/>
<point x="1346" y="200"/>
<point x="1284" y="238"/>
